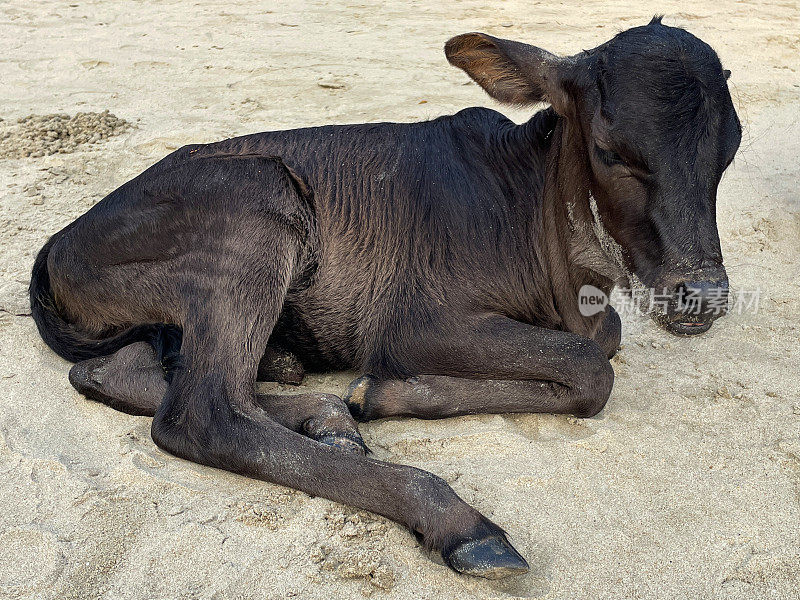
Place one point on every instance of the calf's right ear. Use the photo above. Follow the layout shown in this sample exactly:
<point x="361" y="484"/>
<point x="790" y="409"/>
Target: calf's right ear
<point x="510" y="72"/>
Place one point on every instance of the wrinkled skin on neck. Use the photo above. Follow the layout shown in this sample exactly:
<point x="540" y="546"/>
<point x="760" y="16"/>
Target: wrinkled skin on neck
<point x="576" y="255"/>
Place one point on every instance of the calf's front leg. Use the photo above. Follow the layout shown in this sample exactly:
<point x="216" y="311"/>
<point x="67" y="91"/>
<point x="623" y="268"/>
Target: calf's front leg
<point x="609" y="335"/>
<point x="491" y="365"/>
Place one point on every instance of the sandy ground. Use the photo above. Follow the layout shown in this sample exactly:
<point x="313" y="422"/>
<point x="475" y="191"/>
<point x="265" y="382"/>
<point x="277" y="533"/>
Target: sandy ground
<point x="686" y="486"/>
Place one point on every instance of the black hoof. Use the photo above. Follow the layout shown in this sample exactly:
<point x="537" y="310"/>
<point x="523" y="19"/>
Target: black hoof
<point x="492" y="558"/>
<point x="87" y="377"/>
<point x="346" y="443"/>
<point x="111" y="379"/>
<point x="357" y="397"/>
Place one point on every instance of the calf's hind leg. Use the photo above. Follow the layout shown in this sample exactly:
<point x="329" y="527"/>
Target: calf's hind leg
<point x="132" y="380"/>
<point x="609" y="335"/>
<point x="209" y="415"/>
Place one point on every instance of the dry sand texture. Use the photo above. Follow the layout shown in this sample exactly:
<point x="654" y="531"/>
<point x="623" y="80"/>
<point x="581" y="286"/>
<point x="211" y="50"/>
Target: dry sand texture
<point x="686" y="486"/>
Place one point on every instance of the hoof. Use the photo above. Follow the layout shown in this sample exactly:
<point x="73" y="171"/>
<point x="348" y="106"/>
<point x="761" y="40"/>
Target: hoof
<point x="346" y="443"/>
<point x="129" y="380"/>
<point x="357" y="397"/>
<point x="87" y="377"/>
<point x="492" y="558"/>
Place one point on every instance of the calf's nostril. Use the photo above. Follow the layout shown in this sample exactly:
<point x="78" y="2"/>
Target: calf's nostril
<point x="702" y="299"/>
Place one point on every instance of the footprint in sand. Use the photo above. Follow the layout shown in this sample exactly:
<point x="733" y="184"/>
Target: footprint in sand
<point x="548" y="427"/>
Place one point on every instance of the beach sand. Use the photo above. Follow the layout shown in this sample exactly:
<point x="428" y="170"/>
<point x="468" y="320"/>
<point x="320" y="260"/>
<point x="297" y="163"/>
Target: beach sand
<point x="687" y="485"/>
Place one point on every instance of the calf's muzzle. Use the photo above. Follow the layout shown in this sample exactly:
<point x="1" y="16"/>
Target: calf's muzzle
<point x="695" y="304"/>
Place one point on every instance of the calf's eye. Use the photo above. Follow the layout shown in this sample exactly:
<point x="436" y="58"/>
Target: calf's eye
<point x="609" y="157"/>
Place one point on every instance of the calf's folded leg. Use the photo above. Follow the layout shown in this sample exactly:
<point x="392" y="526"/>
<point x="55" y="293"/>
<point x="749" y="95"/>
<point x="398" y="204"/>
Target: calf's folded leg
<point x="322" y="417"/>
<point x="209" y="415"/>
<point x="254" y="223"/>
<point x="609" y="335"/>
<point x="132" y="380"/>
<point x="440" y="396"/>
<point x="491" y="365"/>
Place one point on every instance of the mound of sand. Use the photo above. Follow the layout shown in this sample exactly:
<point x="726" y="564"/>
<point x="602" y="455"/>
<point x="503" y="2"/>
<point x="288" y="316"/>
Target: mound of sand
<point x="35" y="136"/>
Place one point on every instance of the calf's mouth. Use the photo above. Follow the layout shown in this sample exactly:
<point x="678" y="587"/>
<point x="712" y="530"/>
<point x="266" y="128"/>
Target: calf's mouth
<point x="693" y="303"/>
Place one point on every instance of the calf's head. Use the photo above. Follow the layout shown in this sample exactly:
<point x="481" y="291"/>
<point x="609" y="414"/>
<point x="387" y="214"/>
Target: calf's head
<point x="652" y="115"/>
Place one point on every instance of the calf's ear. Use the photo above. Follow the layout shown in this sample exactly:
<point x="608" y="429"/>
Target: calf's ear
<point x="510" y="72"/>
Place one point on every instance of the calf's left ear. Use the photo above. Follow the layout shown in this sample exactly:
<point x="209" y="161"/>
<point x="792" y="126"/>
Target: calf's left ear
<point x="510" y="72"/>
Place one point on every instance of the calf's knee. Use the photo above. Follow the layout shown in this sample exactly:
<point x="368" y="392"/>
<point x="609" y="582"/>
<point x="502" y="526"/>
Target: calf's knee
<point x="594" y="381"/>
